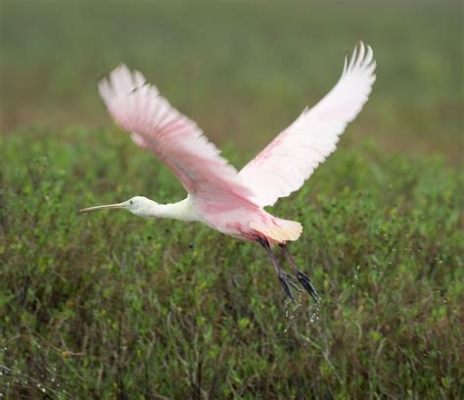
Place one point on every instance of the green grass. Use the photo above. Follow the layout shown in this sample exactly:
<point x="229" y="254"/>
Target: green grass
<point x="95" y="304"/>
<point x="111" y="306"/>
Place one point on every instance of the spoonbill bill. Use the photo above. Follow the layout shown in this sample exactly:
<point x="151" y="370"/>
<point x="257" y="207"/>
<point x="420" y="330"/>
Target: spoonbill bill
<point x="227" y="200"/>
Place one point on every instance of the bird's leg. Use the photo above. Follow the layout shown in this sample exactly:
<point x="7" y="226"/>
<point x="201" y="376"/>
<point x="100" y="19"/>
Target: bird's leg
<point x="284" y="279"/>
<point x="302" y="278"/>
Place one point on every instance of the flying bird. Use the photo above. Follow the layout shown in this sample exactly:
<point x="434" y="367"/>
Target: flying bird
<point x="227" y="200"/>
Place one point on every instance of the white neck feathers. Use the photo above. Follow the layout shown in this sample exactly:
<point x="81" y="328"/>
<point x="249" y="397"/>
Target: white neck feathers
<point x="181" y="210"/>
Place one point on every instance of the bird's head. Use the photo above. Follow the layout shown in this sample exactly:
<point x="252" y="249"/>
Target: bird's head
<point x="137" y="205"/>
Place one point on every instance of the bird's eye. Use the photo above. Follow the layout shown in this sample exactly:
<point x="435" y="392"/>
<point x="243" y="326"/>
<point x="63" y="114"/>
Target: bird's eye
<point x="131" y="202"/>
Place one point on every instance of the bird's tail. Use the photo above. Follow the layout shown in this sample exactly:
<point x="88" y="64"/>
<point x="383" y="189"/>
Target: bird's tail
<point x="279" y="231"/>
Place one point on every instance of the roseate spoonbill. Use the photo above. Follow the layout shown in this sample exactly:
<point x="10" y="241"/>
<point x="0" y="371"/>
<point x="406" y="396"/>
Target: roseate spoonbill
<point x="219" y="196"/>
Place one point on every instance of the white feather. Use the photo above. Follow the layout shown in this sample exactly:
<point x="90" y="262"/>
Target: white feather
<point x="283" y="166"/>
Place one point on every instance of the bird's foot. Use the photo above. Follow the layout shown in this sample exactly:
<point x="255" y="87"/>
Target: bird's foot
<point x="287" y="282"/>
<point x="308" y="286"/>
<point x="292" y="282"/>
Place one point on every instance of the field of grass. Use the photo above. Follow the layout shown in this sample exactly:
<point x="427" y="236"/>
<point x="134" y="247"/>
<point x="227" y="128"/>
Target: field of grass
<point x="112" y="306"/>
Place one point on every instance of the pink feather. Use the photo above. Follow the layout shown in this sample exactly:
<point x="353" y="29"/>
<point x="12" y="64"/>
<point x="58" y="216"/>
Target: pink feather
<point x="155" y="125"/>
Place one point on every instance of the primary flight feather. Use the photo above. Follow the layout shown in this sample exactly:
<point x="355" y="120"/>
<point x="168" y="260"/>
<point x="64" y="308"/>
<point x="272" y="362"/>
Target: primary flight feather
<point x="229" y="201"/>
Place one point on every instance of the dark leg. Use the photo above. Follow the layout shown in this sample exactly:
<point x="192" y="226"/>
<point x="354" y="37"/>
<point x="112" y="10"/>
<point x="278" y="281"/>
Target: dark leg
<point x="284" y="279"/>
<point x="302" y="278"/>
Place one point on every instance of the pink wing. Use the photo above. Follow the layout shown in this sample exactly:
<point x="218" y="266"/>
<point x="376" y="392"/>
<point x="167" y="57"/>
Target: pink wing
<point x="284" y="165"/>
<point x="155" y="125"/>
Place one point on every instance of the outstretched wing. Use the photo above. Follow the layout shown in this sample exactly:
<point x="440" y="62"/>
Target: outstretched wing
<point x="137" y="107"/>
<point x="284" y="165"/>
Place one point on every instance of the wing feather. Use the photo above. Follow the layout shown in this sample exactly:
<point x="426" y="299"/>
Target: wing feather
<point x="154" y="124"/>
<point x="283" y="166"/>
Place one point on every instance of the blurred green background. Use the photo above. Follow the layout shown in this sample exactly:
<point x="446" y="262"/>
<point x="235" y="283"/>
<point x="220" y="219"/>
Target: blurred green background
<point x="113" y="306"/>
<point x="242" y="69"/>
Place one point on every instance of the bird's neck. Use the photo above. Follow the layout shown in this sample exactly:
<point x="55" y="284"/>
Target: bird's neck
<point x="182" y="210"/>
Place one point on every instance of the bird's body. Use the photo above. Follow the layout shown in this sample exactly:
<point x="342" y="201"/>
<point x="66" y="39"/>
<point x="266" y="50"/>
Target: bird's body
<point x="243" y="220"/>
<point x="219" y="196"/>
